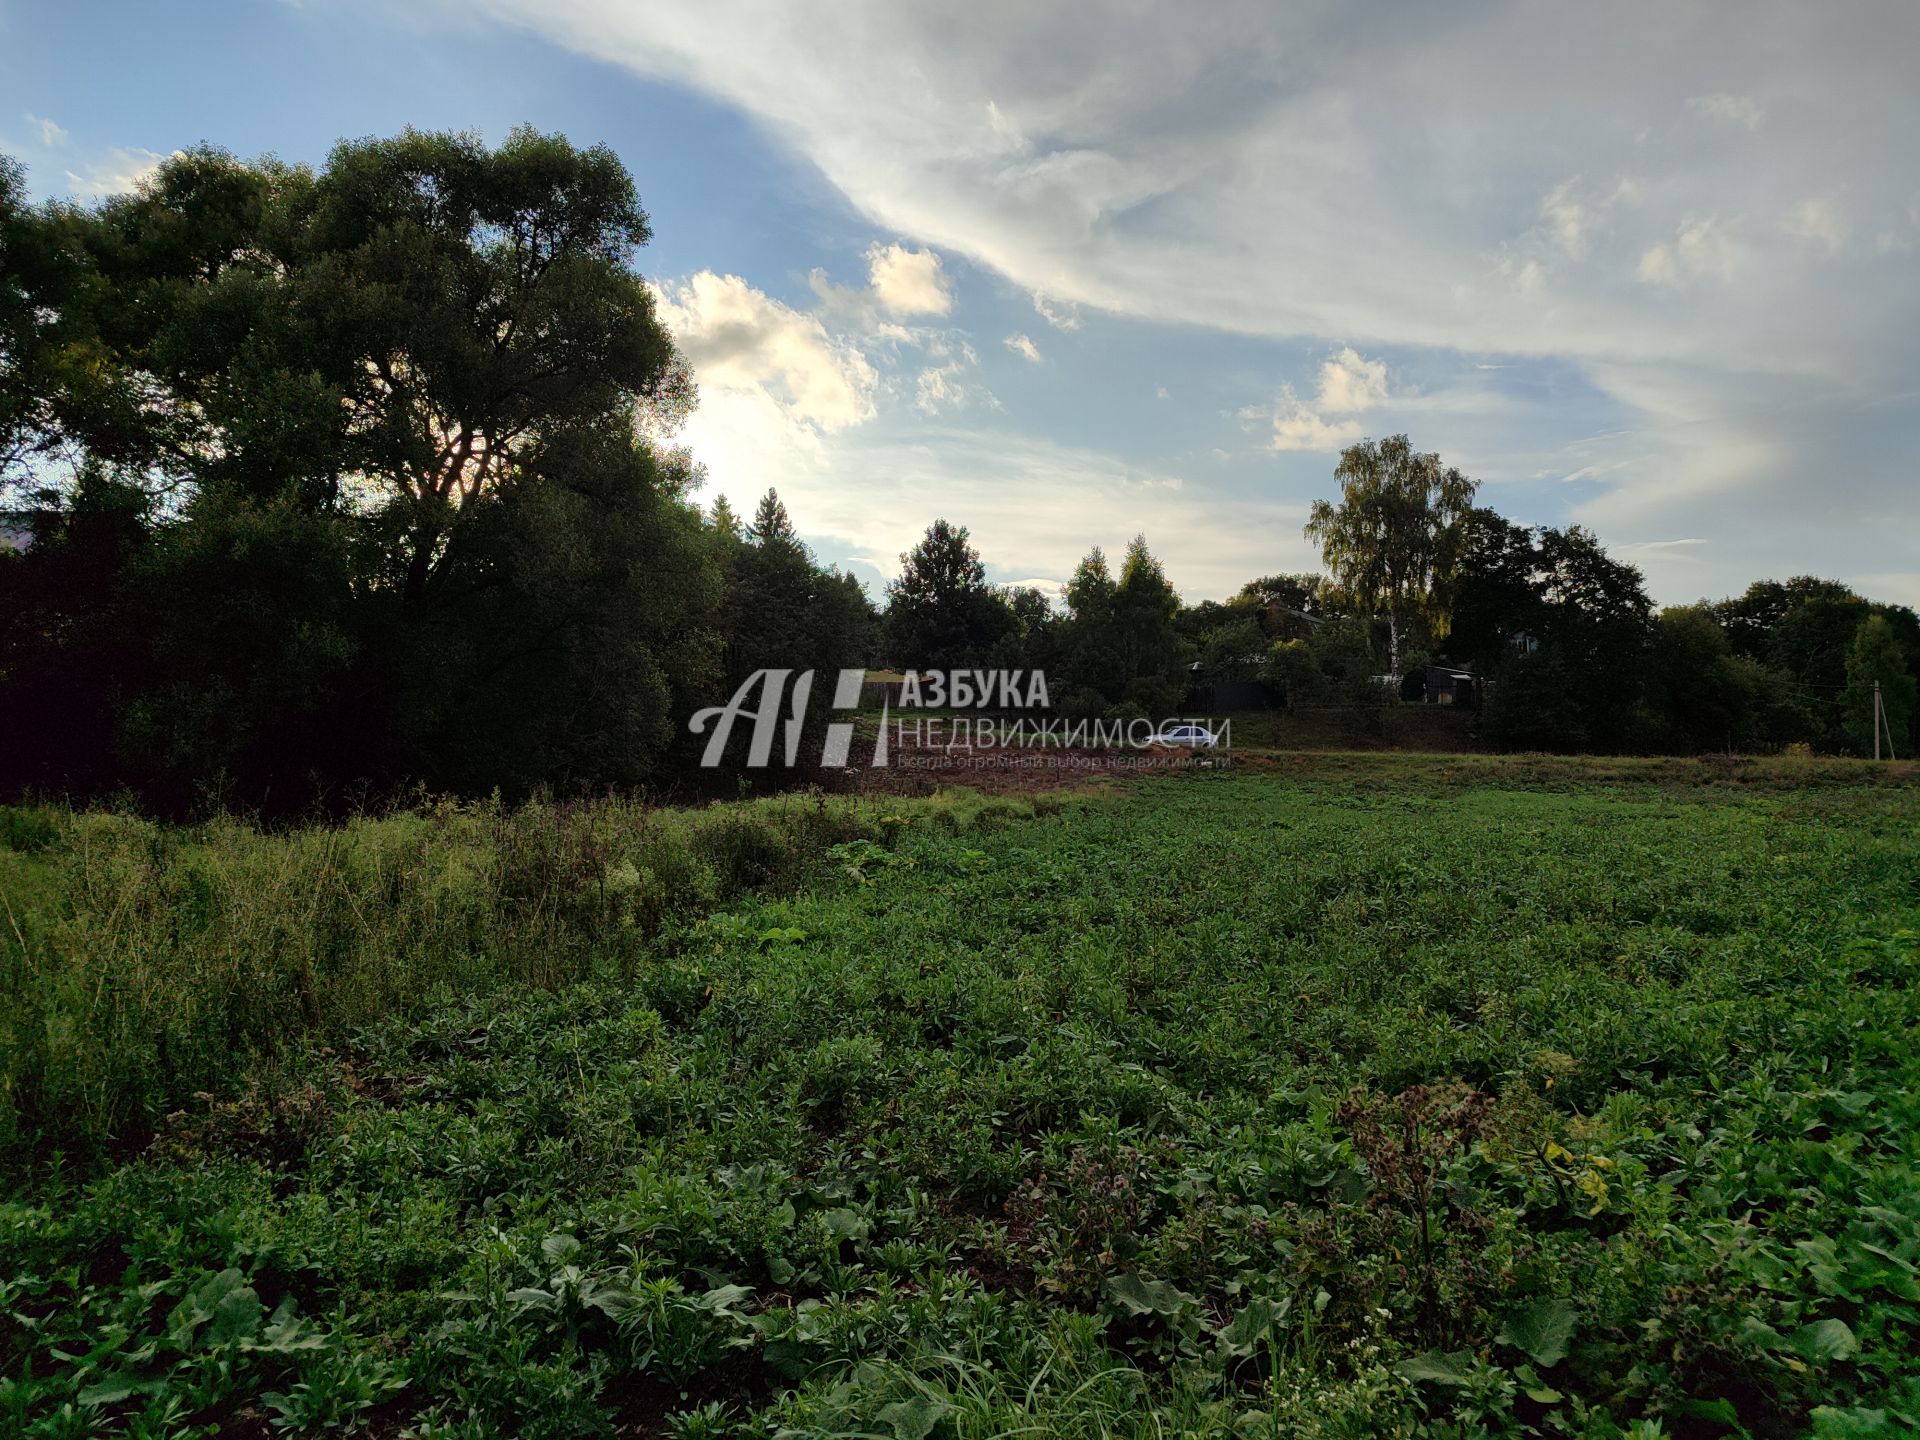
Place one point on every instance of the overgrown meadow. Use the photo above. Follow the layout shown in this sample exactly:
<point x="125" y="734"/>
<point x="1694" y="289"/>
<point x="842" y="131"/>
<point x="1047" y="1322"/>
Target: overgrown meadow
<point x="1371" y="1096"/>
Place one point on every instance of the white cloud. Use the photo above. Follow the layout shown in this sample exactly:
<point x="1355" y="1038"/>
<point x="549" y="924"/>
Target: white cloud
<point x="1700" y="249"/>
<point x="1034" y="507"/>
<point x="1085" y="196"/>
<point x="116" y="172"/>
<point x="1061" y="317"/>
<point x="1571" y="215"/>
<point x="1655" y="547"/>
<point x="1566" y="218"/>
<point x="738" y="338"/>
<point x="1022" y="346"/>
<point x="49" y="134"/>
<point x="1305" y="172"/>
<point x="1296" y="427"/>
<point x="1734" y="109"/>
<point x="1048" y="585"/>
<point x="939" y="387"/>
<point x="946" y="386"/>
<point x="909" y="282"/>
<point x="1820" y="221"/>
<point x="1349" y="383"/>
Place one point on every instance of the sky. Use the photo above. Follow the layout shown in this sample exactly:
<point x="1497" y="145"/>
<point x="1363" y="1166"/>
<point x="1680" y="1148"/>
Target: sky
<point x="1067" y="273"/>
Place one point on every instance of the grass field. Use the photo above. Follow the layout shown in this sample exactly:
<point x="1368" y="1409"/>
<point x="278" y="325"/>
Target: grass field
<point x="1347" y="1096"/>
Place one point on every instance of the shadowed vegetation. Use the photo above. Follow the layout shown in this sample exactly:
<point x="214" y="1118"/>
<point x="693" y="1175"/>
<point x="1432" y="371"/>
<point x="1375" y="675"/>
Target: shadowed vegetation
<point x="1360" y="1097"/>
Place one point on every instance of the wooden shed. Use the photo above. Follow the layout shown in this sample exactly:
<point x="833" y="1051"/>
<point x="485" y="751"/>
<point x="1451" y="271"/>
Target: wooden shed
<point x="1443" y="686"/>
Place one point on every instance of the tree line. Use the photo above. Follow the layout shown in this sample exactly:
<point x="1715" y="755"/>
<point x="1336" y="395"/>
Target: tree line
<point x="331" y="482"/>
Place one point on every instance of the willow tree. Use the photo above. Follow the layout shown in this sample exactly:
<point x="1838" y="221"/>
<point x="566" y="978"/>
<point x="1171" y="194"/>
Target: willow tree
<point x="1394" y="540"/>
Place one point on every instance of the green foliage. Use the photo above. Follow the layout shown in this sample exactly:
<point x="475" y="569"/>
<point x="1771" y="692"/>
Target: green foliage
<point x="941" y="612"/>
<point x="1702" y="696"/>
<point x="1394" y="541"/>
<point x="1122" y="650"/>
<point x="782" y="610"/>
<point x="373" y="487"/>
<point x="1539" y="1097"/>
<point x="144" y="963"/>
<point x="1875" y="659"/>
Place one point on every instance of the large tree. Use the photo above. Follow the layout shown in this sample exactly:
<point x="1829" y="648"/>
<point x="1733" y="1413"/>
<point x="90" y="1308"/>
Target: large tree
<point x="1144" y="607"/>
<point x="1393" y="542"/>
<point x="786" y="610"/>
<point x="22" y="393"/>
<point x="1497" y="593"/>
<point x="941" y="612"/>
<point x="1121" y="641"/>
<point x="1699" y="694"/>
<point x="395" y="423"/>
<point x="1578" y="686"/>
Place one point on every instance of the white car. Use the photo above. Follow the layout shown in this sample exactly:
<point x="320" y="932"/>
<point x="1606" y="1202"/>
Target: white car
<point x="1187" y="734"/>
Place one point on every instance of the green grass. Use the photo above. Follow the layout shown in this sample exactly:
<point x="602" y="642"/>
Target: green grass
<point x="1366" y="1095"/>
<point x="141" y="964"/>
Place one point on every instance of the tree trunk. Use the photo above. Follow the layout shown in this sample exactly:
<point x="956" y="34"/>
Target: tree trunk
<point x="1393" y="646"/>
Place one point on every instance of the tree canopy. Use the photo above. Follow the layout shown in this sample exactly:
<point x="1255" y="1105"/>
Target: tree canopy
<point x="1393" y="542"/>
<point x="941" y="612"/>
<point x="346" y="480"/>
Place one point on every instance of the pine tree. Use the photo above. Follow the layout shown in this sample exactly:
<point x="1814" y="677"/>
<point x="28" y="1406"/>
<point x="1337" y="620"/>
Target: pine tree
<point x="722" y="519"/>
<point x="771" y="524"/>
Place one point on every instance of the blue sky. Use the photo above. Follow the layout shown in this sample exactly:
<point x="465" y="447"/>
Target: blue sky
<point x="1063" y="279"/>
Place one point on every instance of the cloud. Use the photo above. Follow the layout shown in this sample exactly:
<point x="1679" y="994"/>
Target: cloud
<point x="1819" y="221"/>
<point x="1060" y="317"/>
<point x="1700" y="249"/>
<point x="909" y="282"/>
<point x="1035" y="507"/>
<point x="116" y="172"/>
<point x="1310" y="173"/>
<point x="1023" y="347"/>
<point x="945" y="386"/>
<point x="1048" y="585"/>
<point x="738" y="338"/>
<point x="1659" y="547"/>
<point x="1573" y="211"/>
<point x="49" y="134"/>
<point x="939" y="387"/>
<point x="1348" y="384"/>
<point x="1296" y="427"/>
<point x="1077" y="190"/>
<point x="1734" y="109"/>
<point x="1566" y="218"/>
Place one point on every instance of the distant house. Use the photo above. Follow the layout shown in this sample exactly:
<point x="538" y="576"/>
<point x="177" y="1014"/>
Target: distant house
<point x="1443" y="686"/>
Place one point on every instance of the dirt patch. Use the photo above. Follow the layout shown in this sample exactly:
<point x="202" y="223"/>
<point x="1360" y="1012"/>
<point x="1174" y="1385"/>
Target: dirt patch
<point x="1001" y="770"/>
<point x="643" y="1403"/>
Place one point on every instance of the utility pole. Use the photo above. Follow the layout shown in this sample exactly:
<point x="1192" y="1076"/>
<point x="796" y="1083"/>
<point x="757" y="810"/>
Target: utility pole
<point x="1881" y="722"/>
